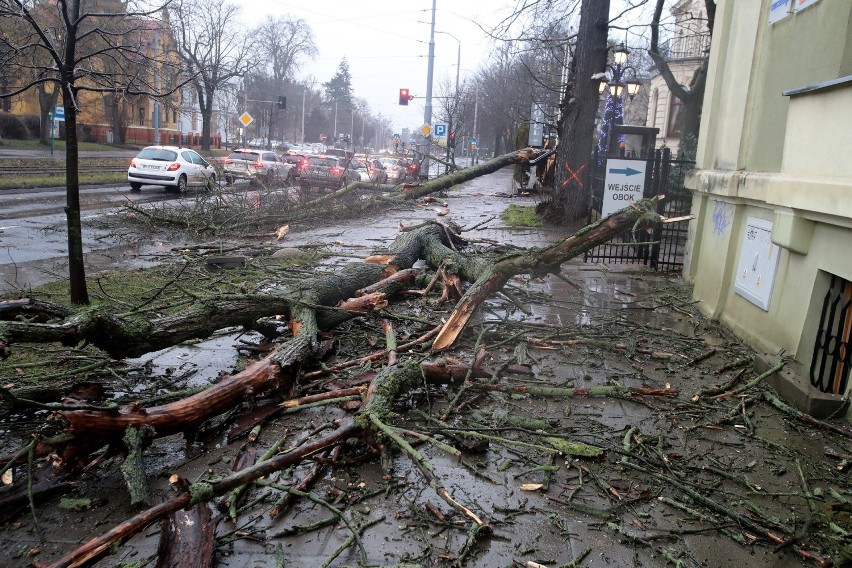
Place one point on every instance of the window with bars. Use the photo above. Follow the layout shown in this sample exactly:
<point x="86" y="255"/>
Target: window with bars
<point x="832" y="357"/>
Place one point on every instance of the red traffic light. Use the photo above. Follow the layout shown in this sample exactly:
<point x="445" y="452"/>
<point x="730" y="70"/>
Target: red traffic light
<point x="404" y="97"/>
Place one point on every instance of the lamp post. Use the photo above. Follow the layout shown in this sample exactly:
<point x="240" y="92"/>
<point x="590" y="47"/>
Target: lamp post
<point x="615" y="88"/>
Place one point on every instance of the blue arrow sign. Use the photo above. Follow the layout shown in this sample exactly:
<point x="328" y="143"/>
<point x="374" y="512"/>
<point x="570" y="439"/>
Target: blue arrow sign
<point x="626" y="171"/>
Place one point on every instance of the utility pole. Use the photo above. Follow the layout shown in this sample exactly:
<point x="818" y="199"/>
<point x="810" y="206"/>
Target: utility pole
<point x="334" y="136"/>
<point x="303" y="117"/>
<point x="427" y="115"/>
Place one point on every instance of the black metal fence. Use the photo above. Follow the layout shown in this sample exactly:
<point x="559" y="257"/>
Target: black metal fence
<point x="663" y="247"/>
<point x="832" y="357"/>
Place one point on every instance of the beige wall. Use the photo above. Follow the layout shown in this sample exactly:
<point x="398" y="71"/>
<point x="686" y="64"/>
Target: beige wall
<point x="785" y="159"/>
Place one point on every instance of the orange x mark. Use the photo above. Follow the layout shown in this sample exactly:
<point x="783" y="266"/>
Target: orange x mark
<point x="574" y="175"/>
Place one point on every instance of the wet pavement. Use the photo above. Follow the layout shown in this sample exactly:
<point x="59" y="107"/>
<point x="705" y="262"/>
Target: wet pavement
<point x="592" y="326"/>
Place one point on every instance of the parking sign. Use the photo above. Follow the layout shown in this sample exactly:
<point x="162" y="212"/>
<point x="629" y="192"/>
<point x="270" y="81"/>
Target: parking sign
<point x="440" y="130"/>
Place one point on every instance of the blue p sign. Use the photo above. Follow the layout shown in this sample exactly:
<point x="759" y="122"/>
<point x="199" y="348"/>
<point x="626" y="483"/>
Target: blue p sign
<point x="440" y="130"/>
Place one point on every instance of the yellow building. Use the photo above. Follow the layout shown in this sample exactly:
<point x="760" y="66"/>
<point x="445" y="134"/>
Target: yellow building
<point x="118" y="116"/>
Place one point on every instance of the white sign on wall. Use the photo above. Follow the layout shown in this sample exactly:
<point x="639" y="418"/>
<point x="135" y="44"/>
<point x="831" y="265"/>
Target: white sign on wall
<point x="758" y="261"/>
<point x="778" y="10"/>
<point x="802" y="4"/>
<point x="536" y="135"/>
<point x="624" y="184"/>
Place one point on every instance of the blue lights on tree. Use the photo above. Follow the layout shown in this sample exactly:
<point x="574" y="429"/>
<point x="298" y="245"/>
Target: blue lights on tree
<point x="613" y="114"/>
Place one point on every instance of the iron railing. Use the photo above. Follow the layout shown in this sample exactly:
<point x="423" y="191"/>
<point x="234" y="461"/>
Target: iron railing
<point x="832" y="356"/>
<point x="663" y="248"/>
<point x="686" y="47"/>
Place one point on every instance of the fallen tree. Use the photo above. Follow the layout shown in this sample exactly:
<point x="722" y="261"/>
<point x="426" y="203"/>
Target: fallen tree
<point x="361" y="291"/>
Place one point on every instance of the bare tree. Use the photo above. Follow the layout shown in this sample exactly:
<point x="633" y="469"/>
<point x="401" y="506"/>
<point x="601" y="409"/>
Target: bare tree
<point x="283" y="41"/>
<point x="214" y="50"/>
<point x="67" y="48"/>
<point x="692" y="95"/>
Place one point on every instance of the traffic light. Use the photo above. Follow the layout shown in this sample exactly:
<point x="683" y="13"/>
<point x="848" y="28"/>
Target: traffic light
<point x="452" y="142"/>
<point x="282" y="102"/>
<point x="404" y="97"/>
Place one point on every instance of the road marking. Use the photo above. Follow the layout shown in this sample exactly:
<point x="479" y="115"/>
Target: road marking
<point x="9" y="227"/>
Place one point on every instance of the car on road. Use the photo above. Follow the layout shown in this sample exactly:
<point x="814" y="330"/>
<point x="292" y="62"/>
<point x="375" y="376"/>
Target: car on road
<point x="172" y="167"/>
<point x="254" y="165"/>
<point x="395" y="171"/>
<point x="327" y="172"/>
<point x="370" y="170"/>
<point x="294" y="160"/>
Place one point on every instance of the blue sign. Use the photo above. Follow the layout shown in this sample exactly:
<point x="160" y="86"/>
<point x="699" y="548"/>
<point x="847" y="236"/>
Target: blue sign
<point x="59" y="113"/>
<point x="440" y="130"/>
<point x="628" y="171"/>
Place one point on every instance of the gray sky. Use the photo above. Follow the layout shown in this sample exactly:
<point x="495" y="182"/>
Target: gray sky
<point x="386" y="43"/>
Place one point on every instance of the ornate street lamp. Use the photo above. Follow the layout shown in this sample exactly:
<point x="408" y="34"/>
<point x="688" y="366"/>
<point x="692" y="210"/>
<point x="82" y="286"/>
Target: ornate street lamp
<point x="615" y="85"/>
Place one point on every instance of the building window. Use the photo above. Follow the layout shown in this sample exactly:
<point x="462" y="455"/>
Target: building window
<point x="655" y="99"/>
<point x="675" y="124"/>
<point x="141" y="116"/>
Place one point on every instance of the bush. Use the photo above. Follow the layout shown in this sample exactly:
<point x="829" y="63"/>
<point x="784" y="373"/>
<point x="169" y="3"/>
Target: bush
<point x="33" y="124"/>
<point x="12" y="127"/>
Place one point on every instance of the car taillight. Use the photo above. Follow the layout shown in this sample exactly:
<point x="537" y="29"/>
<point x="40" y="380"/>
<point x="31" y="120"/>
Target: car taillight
<point x="258" y="163"/>
<point x="133" y="163"/>
<point x="228" y="161"/>
<point x="173" y="167"/>
<point x="336" y="170"/>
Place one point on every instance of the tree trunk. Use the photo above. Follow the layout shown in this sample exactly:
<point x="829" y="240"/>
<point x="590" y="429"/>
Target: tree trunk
<point x="46" y="102"/>
<point x="206" y="119"/>
<point x="76" y="263"/>
<point x="570" y="200"/>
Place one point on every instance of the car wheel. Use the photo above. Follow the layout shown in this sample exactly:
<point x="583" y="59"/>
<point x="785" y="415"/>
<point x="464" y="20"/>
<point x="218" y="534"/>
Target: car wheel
<point x="135" y="186"/>
<point x="181" y="186"/>
<point x="229" y="180"/>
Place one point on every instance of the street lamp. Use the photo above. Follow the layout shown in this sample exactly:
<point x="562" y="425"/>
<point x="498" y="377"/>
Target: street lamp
<point x="615" y="86"/>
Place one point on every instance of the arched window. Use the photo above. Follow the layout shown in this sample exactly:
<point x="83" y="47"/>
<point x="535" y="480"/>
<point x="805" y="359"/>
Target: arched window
<point x="655" y="96"/>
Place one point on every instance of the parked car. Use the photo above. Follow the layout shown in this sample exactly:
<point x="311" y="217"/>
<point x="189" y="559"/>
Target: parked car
<point x="395" y="171"/>
<point x="370" y="170"/>
<point x="246" y="163"/>
<point x="326" y="171"/>
<point x="172" y="167"/>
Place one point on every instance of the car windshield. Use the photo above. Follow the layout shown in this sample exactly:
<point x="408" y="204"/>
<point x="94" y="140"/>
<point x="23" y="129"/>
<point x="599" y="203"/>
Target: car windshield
<point x="248" y="156"/>
<point x="359" y="165"/>
<point x="328" y="162"/>
<point x="157" y="154"/>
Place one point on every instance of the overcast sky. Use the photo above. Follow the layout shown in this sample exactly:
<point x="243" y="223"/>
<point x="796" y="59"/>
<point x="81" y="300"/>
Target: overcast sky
<point x="386" y="43"/>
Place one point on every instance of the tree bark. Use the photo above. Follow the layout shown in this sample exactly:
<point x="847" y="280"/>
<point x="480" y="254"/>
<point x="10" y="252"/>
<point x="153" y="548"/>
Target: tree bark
<point x="570" y="200"/>
<point x="76" y="264"/>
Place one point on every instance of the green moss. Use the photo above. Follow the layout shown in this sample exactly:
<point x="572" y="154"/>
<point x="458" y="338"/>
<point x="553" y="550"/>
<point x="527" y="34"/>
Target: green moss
<point x="517" y="216"/>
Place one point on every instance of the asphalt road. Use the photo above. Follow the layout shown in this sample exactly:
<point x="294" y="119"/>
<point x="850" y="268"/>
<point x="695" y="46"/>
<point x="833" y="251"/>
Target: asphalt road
<point x="33" y="236"/>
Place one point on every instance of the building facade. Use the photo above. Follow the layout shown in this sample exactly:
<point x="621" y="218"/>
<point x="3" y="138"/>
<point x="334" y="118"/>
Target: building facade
<point x="768" y="249"/>
<point x="118" y="116"/>
<point x="685" y="51"/>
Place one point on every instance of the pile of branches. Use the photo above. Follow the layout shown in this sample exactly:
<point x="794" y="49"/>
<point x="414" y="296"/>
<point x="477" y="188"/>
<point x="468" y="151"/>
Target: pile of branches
<point x="296" y="374"/>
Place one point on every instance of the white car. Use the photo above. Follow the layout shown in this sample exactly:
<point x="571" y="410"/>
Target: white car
<point x="172" y="167"/>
